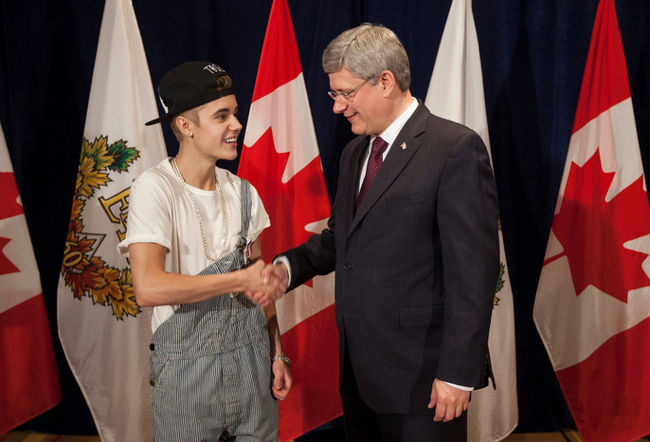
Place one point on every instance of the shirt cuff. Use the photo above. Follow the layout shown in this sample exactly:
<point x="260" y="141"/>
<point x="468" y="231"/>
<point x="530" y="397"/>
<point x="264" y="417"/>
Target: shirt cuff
<point x="283" y="260"/>
<point x="460" y="387"/>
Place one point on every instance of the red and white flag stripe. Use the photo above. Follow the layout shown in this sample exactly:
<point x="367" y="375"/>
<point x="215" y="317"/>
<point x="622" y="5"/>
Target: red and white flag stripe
<point x="592" y="307"/>
<point x="29" y="382"/>
<point x="281" y="159"/>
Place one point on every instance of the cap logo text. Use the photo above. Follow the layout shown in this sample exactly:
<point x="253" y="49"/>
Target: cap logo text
<point x="213" y="68"/>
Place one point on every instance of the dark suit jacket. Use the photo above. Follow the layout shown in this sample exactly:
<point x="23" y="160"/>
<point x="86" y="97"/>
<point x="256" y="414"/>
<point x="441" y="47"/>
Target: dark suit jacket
<point x="416" y="264"/>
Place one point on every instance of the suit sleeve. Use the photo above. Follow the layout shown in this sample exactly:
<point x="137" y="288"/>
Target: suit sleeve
<point x="316" y="256"/>
<point x="468" y="221"/>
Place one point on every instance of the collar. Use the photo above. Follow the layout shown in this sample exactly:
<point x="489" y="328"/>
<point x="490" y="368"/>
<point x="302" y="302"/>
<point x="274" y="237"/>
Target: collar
<point x="390" y="134"/>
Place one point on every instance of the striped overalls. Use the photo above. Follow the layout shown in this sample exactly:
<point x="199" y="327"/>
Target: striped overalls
<point x="210" y="364"/>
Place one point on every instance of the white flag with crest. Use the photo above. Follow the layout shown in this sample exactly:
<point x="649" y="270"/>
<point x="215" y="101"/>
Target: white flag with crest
<point x="456" y="92"/>
<point x="104" y="333"/>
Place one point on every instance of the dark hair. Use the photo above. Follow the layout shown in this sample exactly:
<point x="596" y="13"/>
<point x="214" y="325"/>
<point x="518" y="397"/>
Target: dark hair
<point x="223" y="82"/>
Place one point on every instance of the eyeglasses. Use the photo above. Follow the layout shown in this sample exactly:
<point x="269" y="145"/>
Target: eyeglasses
<point x="347" y="96"/>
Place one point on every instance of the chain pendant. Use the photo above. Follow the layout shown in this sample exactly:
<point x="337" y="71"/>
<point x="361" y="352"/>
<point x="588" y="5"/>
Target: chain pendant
<point x="197" y="213"/>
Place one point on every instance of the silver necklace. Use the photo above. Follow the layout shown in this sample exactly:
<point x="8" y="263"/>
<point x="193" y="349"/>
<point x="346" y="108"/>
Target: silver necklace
<point x="197" y="213"/>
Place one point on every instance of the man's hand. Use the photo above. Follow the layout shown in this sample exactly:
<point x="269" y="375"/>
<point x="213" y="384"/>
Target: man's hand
<point x="275" y="279"/>
<point x="282" y="380"/>
<point x="450" y="402"/>
<point x="277" y="274"/>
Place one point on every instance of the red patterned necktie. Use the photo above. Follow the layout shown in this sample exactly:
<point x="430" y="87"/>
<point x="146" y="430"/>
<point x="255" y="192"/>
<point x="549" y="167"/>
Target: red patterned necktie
<point x="374" y="163"/>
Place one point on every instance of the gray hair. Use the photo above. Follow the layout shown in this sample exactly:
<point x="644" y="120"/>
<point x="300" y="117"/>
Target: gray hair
<point x="366" y="51"/>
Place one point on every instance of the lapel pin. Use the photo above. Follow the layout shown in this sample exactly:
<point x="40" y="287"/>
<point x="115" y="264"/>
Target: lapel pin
<point x="403" y="146"/>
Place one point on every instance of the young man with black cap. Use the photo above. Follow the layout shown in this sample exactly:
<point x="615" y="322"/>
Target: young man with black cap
<point x="217" y="360"/>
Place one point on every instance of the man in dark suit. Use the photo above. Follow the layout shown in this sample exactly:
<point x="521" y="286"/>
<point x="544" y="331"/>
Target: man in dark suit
<point x="413" y="239"/>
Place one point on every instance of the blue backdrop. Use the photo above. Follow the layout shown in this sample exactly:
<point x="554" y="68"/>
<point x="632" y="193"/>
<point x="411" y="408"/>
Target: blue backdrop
<point x="533" y="55"/>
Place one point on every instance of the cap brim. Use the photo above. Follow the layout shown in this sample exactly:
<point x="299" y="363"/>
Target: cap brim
<point x="160" y="119"/>
<point x="191" y="105"/>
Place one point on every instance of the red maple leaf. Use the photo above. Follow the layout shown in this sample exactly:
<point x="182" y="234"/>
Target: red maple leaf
<point x="6" y="266"/>
<point x="291" y="205"/>
<point x="9" y="196"/>
<point x="8" y="207"/>
<point x="593" y="231"/>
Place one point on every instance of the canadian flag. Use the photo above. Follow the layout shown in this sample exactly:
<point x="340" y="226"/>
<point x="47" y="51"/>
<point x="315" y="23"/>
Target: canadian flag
<point x="29" y="383"/>
<point x="280" y="158"/>
<point x="592" y="307"/>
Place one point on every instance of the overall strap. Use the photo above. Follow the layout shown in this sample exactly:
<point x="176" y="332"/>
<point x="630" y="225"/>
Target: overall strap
<point x="246" y="204"/>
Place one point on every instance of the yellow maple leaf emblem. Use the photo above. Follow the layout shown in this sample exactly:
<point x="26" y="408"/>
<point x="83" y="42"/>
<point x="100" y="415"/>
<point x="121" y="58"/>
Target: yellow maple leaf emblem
<point x="84" y="273"/>
<point x="99" y="152"/>
<point x="88" y="178"/>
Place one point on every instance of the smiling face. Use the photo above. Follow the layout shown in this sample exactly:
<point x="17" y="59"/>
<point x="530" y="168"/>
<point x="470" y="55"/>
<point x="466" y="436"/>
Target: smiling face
<point x="216" y="131"/>
<point x="368" y="110"/>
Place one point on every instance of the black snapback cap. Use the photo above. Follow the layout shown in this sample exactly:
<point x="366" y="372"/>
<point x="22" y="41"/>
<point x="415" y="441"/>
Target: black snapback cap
<point x="189" y="85"/>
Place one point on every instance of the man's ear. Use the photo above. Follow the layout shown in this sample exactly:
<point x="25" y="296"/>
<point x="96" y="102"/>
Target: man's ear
<point x="387" y="82"/>
<point x="184" y="125"/>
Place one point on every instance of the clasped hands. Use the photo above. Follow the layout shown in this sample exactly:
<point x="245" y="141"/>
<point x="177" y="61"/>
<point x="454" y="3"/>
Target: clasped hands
<point x="266" y="282"/>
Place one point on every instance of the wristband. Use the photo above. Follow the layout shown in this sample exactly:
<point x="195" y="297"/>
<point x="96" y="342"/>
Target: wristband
<point x="285" y="359"/>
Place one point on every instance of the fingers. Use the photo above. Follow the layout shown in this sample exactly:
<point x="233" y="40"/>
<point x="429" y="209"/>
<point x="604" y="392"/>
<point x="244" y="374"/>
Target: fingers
<point x="446" y="413"/>
<point x="450" y="402"/>
<point x="264" y="297"/>
<point x="267" y="272"/>
<point x="434" y="398"/>
<point x="260" y="298"/>
<point x="267" y="283"/>
<point x="280" y="391"/>
<point x="273" y="282"/>
<point x="282" y="380"/>
<point x="255" y="289"/>
<point x="276" y="275"/>
<point x="282" y="276"/>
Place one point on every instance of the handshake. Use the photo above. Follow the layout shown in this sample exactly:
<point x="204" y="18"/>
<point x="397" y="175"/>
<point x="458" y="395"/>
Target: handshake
<point x="265" y="283"/>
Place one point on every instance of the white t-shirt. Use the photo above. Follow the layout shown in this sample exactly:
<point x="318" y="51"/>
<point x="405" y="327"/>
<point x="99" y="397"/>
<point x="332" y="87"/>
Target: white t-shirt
<point x="161" y="212"/>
